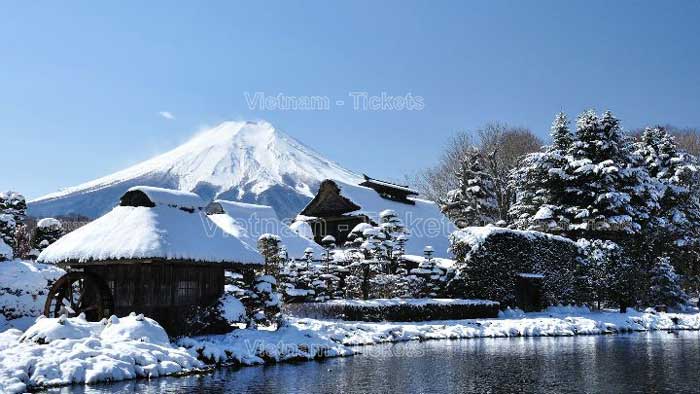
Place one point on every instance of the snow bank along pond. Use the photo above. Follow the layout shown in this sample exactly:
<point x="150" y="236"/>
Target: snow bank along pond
<point x="527" y="349"/>
<point x="638" y="362"/>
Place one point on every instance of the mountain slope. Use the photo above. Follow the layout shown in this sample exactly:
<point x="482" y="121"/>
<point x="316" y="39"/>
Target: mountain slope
<point x="244" y="161"/>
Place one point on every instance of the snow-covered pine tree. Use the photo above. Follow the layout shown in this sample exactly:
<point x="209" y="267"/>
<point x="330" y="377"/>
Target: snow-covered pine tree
<point x="48" y="231"/>
<point x="665" y="288"/>
<point x="267" y="303"/>
<point x="607" y="195"/>
<point x="396" y="236"/>
<point x="540" y="183"/>
<point x="473" y="202"/>
<point x="677" y="175"/>
<point x="269" y="246"/>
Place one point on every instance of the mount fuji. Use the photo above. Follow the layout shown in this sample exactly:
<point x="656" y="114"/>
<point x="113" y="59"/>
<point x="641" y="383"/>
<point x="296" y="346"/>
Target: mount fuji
<point x="242" y="161"/>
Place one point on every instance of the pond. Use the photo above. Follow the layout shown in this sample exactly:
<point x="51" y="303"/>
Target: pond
<point x="642" y="362"/>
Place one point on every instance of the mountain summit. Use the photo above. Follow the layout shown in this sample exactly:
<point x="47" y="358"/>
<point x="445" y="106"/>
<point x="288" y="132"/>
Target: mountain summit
<point x="243" y="161"/>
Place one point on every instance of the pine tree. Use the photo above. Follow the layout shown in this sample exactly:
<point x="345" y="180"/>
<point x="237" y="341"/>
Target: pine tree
<point x="473" y="203"/>
<point x="540" y="183"/>
<point x="665" y="288"/>
<point x="677" y="176"/>
<point x="266" y="307"/>
<point x="607" y="195"/>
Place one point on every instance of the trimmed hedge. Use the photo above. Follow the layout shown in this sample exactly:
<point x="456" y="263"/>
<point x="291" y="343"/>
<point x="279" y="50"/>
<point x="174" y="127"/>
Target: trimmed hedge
<point x="489" y="261"/>
<point x="397" y="310"/>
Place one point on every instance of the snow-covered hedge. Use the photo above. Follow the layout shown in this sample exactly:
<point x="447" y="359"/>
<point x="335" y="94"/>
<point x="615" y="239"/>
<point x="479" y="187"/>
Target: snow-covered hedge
<point x="23" y="288"/>
<point x="396" y="309"/>
<point x="489" y="260"/>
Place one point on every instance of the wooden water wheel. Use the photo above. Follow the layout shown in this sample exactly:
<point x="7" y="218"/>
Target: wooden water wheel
<point x="78" y="292"/>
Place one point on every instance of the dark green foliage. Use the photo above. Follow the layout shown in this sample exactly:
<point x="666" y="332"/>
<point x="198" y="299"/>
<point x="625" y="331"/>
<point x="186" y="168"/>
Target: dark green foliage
<point x="47" y="231"/>
<point x="489" y="269"/>
<point x="665" y="288"/>
<point x="401" y="312"/>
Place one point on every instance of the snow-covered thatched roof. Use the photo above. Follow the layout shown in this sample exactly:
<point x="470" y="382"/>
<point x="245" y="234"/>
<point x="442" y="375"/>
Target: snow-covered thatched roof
<point x="423" y="219"/>
<point x="168" y="197"/>
<point x="167" y="231"/>
<point x="248" y="222"/>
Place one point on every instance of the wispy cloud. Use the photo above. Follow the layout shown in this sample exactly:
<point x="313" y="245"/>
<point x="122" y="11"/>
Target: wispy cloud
<point x="167" y="115"/>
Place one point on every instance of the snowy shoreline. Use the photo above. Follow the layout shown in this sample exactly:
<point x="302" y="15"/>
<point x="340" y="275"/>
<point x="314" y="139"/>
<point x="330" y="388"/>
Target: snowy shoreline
<point x="86" y="355"/>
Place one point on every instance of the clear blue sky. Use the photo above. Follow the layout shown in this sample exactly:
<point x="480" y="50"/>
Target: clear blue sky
<point x="82" y="83"/>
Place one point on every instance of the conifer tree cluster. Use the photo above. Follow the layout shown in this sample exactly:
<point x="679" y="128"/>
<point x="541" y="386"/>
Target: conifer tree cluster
<point x="633" y="201"/>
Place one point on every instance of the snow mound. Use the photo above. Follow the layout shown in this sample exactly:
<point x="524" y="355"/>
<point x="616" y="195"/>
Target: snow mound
<point x="134" y="328"/>
<point x="48" y="330"/>
<point x="232" y="309"/>
<point x="71" y="350"/>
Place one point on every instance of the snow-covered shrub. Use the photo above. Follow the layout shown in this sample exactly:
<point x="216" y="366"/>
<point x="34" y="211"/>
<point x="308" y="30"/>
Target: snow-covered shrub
<point x="135" y="327"/>
<point x="489" y="260"/>
<point x="266" y="300"/>
<point x="7" y="230"/>
<point x="24" y="286"/>
<point x="13" y="211"/>
<point x="399" y="309"/>
<point x="48" y="231"/>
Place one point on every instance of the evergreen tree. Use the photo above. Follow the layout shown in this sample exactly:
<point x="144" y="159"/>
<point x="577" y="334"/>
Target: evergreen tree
<point x="540" y="183"/>
<point x="473" y="203"/>
<point x="677" y="176"/>
<point x="610" y="274"/>
<point x="266" y="300"/>
<point x="607" y="195"/>
<point x="665" y="288"/>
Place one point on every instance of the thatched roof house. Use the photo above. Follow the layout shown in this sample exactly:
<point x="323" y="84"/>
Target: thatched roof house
<point x="338" y="207"/>
<point x="157" y="253"/>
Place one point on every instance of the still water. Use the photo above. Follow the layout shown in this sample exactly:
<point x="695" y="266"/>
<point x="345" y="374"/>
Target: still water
<point x="646" y="362"/>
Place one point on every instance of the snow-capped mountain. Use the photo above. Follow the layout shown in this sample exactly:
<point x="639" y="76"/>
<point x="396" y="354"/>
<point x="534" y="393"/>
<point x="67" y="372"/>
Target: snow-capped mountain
<point x="245" y="161"/>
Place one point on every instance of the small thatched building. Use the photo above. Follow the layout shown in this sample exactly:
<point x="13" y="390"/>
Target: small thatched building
<point x="156" y="253"/>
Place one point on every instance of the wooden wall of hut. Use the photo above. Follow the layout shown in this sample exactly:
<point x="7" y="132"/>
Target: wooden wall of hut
<point x="161" y="290"/>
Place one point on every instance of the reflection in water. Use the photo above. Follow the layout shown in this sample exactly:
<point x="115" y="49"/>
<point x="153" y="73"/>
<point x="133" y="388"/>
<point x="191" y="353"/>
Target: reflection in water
<point x="647" y="362"/>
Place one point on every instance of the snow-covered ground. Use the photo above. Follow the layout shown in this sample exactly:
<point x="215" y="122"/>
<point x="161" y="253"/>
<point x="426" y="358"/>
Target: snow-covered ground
<point x="54" y="352"/>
